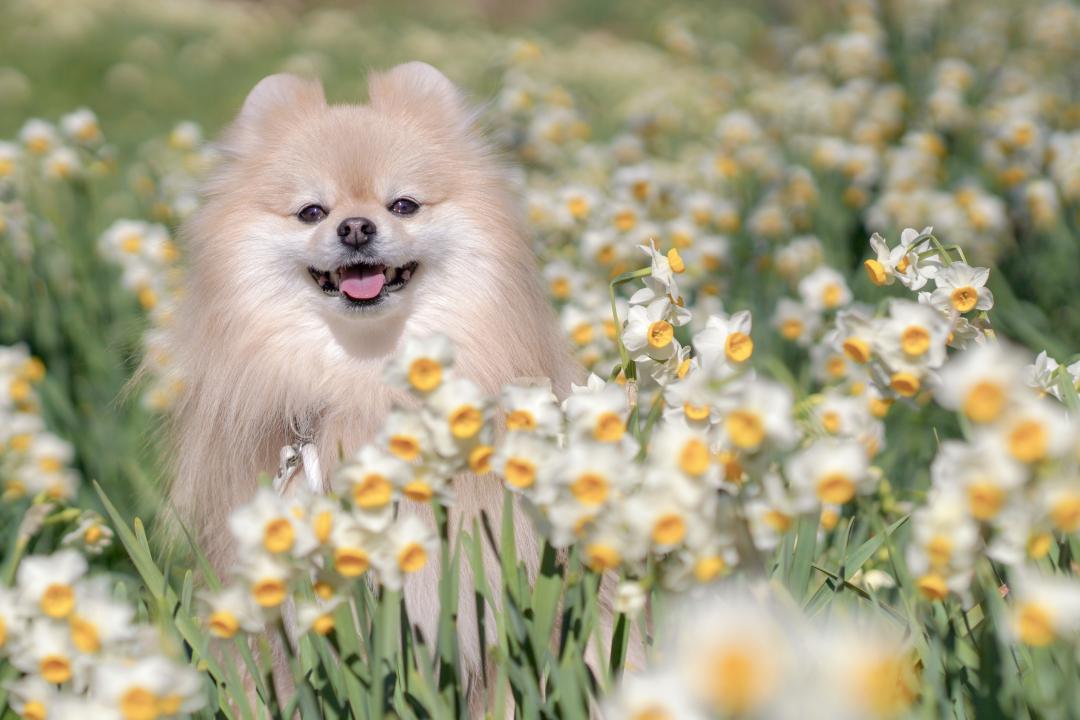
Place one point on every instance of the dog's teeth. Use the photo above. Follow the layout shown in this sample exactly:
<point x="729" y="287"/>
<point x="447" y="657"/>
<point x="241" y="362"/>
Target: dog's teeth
<point x="406" y="274"/>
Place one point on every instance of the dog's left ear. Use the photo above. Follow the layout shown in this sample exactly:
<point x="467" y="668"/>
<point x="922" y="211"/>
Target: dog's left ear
<point x="419" y="91"/>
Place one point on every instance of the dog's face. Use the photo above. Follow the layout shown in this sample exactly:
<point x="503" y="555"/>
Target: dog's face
<point x="355" y="207"/>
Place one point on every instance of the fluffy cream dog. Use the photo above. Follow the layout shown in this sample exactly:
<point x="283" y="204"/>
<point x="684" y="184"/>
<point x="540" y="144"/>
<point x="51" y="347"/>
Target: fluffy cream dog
<point x="328" y="235"/>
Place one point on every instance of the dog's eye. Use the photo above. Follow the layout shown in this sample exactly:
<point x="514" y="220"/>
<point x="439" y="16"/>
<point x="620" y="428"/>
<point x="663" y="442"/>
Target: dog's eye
<point x="404" y="206"/>
<point x="311" y="213"/>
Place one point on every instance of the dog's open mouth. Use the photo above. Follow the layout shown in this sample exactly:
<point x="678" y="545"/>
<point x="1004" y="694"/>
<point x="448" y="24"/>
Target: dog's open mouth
<point x="363" y="284"/>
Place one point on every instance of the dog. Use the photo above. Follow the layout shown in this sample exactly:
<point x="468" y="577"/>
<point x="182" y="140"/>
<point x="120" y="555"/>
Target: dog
<point x="328" y="235"/>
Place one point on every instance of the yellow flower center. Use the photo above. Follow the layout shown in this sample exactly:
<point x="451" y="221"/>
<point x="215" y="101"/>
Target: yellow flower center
<point x="964" y="298"/>
<point x="519" y="472"/>
<point x="660" y="334"/>
<point x="779" y="521"/>
<point x="984" y="402"/>
<point x="323" y="589"/>
<point x="269" y="592"/>
<point x="738" y="347"/>
<point x="669" y="529"/>
<point x="322" y="525"/>
<point x="1028" y="441"/>
<point x="933" y="587"/>
<point x="708" y="568"/>
<point x="466" y="421"/>
<point x="578" y="207"/>
<point x="652" y="712"/>
<point x="830" y="420"/>
<point x="939" y="551"/>
<point x="857" y="349"/>
<point x="876" y="272"/>
<point x="829" y="518"/>
<point x="1034" y="625"/>
<point x="418" y="491"/>
<point x="405" y="447"/>
<point x="791" y="328"/>
<point x="684" y="367"/>
<point x="55" y="669"/>
<point x="834" y="366"/>
<point x="34" y="710"/>
<point x="590" y="488"/>
<point x="835" y="488"/>
<point x="736" y="680"/>
<point x="373" y="491"/>
<point x="223" y="624"/>
<point x="675" y="261"/>
<point x="610" y="427"/>
<point x="425" y="374"/>
<point x="915" y="340"/>
<point x="480" y="459"/>
<point x="351" y="562"/>
<point x="278" y="536"/>
<point x="695" y="412"/>
<point x="985" y="500"/>
<point x="131" y="244"/>
<point x="58" y="600"/>
<point x="520" y="420"/>
<point x="138" y="703"/>
<point x="745" y="428"/>
<point x="84" y="635"/>
<point x="1065" y="513"/>
<point x="323" y="624"/>
<point x="625" y="220"/>
<point x="831" y="295"/>
<point x="903" y="265"/>
<point x="905" y="384"/>
<point x="560" y="288"/>
<point x="582" y="334"/>
<point x="93" y="534"/>
<point x="887" y="686"/>
<point x="1040" y="544"/>
<point x="694" y="457"/>
<point x="879" y="407"/>
<point x="412" y="557"/>
<point x="600" y="557"/>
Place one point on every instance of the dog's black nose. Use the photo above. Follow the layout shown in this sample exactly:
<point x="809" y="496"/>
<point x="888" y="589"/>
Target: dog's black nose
<point x="356" y="231"/>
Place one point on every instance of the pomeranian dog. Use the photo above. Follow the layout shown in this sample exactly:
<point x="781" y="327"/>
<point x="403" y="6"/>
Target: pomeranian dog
<point x="328" y="235"/>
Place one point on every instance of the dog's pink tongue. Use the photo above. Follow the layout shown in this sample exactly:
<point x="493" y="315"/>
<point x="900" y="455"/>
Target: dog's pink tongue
<point x="362" y="282"/>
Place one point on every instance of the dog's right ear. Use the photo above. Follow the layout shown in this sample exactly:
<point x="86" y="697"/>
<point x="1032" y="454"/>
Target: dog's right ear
<point x="275" y="99"/>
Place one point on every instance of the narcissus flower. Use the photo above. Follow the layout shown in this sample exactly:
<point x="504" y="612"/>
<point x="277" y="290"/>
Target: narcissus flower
<point x="962" y="288"/>
<point x="421" y="363"/>
<point x="47" y="582"/>
<point x="830" y="471"/>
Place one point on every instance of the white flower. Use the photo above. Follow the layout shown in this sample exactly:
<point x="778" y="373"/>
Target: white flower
<point x="420" y="364"/>
<point x="650" y="332"/>
<point x="92" y="535"/>
<point x="760" y="413"/>
<point x="231" y="610"/>
<point x="81" y="126"/>
<point x="1042" y="375"/>
<point x="981" y="382"/>
<point x="902" y="262"/>
<point x="830" y="471"/>
<point x="795" y="321"/>
<point x="597" y="410"/>
<point x="410" y="544"/>
<point x="824" y="289"/>
<point x="962" y="288"/>
<point x="62" y="164"/>
<point x="912" y="339"/>
<point x="725" y="340"/>
<point x="148" y="687"/>
<point x="269" y="523"/>
<point x="38" y="136"/>
<point x="531" y="409"/>
<point x="983" y="472"/>
<point x="47" y="582"/>
<point x="1047" y="608"/>
<point x="456" y="413"/>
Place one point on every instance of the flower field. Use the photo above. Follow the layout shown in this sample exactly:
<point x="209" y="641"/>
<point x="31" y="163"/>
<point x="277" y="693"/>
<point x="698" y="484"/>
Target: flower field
<point x="817" y="261"/>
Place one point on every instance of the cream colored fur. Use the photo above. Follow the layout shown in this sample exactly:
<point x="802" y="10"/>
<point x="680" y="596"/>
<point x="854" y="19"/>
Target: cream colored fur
<point x="260" y="346"/>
